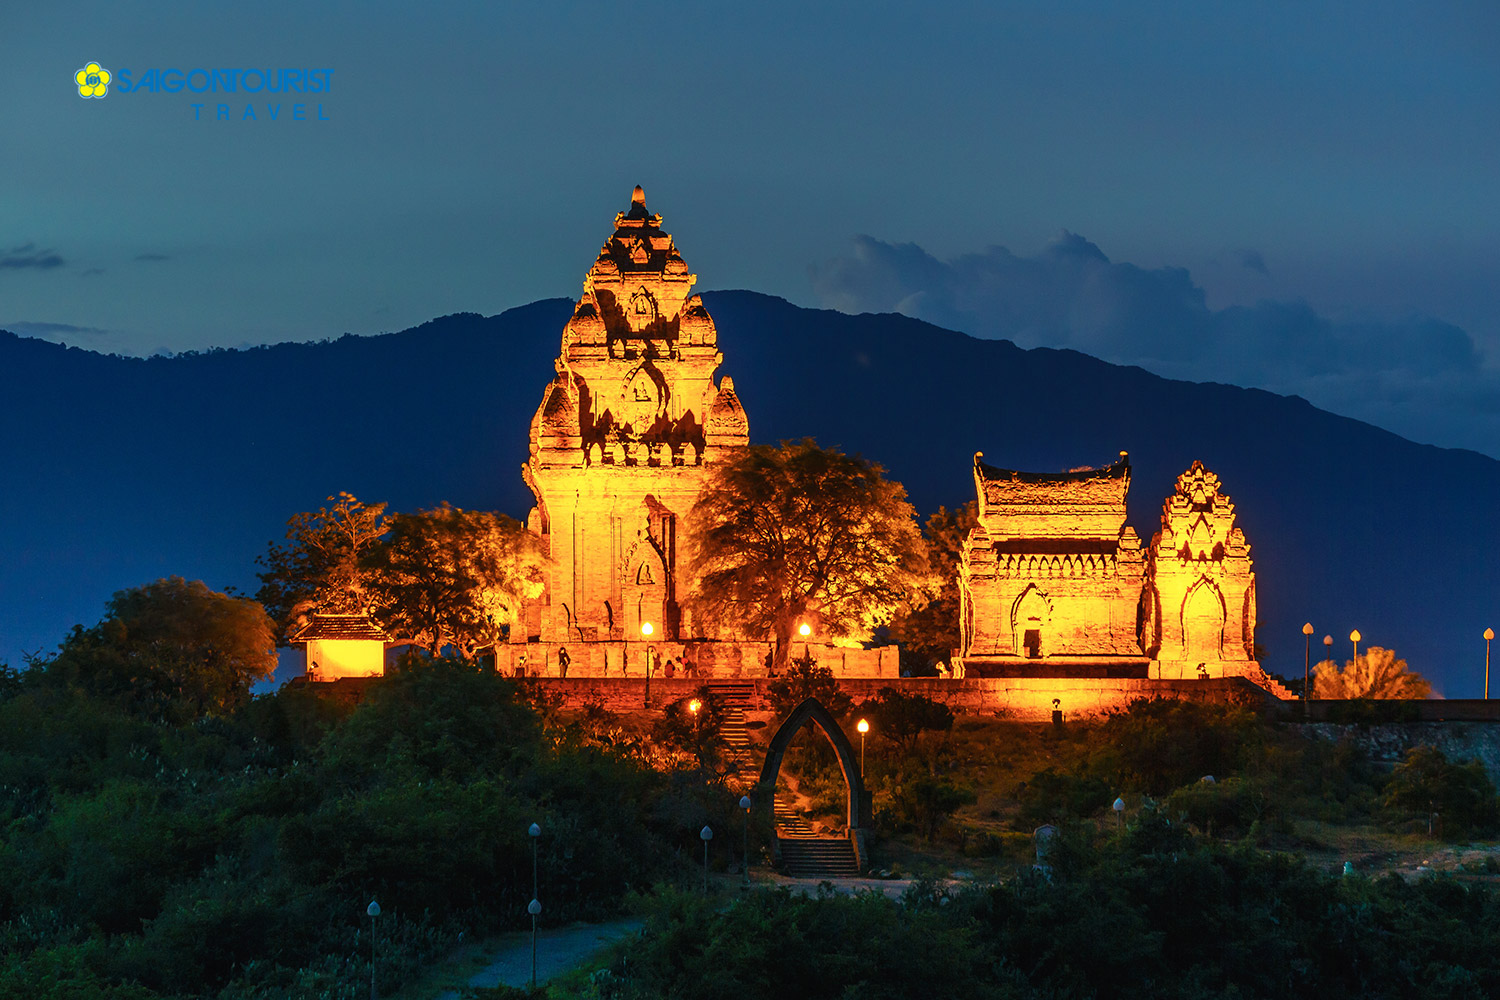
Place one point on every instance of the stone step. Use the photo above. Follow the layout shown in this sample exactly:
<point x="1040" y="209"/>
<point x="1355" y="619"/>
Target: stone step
<point x="821" y="857"/>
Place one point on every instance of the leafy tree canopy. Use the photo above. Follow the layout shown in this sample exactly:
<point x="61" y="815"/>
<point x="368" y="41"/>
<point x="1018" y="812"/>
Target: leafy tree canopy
<point x="320" y="566"/>
<point x="172" y="649"/>
<point x="1461" y="795"/>
<point x="929" y="632"/>
<point x="452" y="576"/>
<point x="1376" y="673"/>
<point x="804" y="679"/>
<point x="902" y="718"/>
<point x="439" y="577"/>
<point x="797" y="532"/>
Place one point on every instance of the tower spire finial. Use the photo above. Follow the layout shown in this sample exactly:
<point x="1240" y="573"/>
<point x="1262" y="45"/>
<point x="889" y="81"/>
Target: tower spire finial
<point x="638" y="196"/>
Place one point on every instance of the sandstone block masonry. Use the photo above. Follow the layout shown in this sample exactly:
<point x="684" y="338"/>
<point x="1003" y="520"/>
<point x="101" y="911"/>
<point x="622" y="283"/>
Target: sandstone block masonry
<point x="627" y="433"/>
<point x="1053" y="582"/>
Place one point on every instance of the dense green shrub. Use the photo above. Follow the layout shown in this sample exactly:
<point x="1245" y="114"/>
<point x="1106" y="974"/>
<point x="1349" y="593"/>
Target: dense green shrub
<point x="1162" y="744"/>
<point x="1052" y="796"/>
<point x="902" y="718"/>
<point x="1460" y="798"/>
<point x="1155" y="912"/>
<point x="804" y="679"/>
<point x="235" y="855"/>
<point x="1233" y="806"/>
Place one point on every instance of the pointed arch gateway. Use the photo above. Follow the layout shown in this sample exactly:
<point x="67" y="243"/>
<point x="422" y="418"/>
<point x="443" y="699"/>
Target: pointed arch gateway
<point x="858" y="808"/>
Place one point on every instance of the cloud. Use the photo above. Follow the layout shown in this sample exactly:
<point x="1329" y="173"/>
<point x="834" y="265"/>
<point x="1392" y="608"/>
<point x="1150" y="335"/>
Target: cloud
<point x="153" y="256"/>
<point x="1253" y="261"/>
<point x="52" y="331"/>
<point x="1417" y="375"/>
<point x="28" y="256"/>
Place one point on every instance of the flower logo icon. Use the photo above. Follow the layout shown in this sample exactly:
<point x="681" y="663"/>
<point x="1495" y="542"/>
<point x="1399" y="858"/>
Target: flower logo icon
<point x="93" y="80"/>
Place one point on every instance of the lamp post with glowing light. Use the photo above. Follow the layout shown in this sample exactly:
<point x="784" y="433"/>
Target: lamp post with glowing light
<point x="863" y="727"/>
<point x="745" y="804"/>
<point x="373" y="911"/>
<point x="1328" y="648"/>
<point x="693" y="707"/>
<point x="1307" y="631"/>
<point x="706" y="834"/>
<point x="1354" y="637"/>
<point x="805" y="630"/>
<point x="646" y="629"/>
<point x="1489" y="634"/>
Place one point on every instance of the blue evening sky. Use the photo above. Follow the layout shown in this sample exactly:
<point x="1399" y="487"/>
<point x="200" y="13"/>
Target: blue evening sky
<point x="1300" y="196"/>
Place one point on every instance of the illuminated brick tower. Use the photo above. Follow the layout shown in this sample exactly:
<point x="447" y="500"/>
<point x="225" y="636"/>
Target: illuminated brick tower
<point x="620" y="446"/>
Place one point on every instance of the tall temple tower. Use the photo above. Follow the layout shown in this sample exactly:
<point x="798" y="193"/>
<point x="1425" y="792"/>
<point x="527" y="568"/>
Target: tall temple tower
<point x="620" y="447"/>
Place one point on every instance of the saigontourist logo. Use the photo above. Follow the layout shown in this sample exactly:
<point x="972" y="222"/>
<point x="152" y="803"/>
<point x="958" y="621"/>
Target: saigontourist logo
<point x="275" y="92"/>
<point x="93" y="80"/>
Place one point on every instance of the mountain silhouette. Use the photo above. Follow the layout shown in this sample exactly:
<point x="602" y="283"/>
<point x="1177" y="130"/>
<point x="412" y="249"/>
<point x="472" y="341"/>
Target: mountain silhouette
<point x="122" y="470"/>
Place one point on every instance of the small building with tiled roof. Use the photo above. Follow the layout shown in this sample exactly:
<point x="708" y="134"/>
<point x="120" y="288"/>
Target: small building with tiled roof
<point x="342" y="646"/>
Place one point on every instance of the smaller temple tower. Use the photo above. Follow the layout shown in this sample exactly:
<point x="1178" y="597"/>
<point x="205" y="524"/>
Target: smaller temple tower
<point x="1200" y="614"/>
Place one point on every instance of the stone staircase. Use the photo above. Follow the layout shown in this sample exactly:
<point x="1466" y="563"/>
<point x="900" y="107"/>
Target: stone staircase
<point x="806" y="855"/>
<point x="736" y="698"/>
<point x="818" y="857"/>
<point x="1277" y="690"/>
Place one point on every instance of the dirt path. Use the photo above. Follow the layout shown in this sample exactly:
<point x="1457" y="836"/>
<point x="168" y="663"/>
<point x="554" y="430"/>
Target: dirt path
<point x="558" y="949"/>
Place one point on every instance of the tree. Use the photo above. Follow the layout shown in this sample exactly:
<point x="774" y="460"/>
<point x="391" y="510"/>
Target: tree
<point x="1375" y="674"/>
<point x="451" y="576"/>
<point x="174" y="649"/>
<point x="694" y="732"/>
<point x="1462" y="795"/>
<point x="804" y="679"/>
<point x="321" y="565"/>
<point x="796" y="532"/>
<point x="902" y="718"/>
<point x="929" y="632"/>
<point x="437" y="577"/>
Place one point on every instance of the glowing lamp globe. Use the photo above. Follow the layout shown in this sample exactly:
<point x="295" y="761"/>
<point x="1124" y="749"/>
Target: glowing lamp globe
<point x="863" y="727"/>
<point x="694" y="705"/>
<point x="805" y="630"/>
<point x="647" y="628"/>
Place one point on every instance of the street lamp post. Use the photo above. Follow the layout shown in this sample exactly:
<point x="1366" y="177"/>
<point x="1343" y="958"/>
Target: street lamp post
<point x="1354" y="637"/>
<point x="1489" y="634"/>
<point x="745" y="804"/>
<point x="1307" y="631"/>
<point x="534" y="908"/>
<point x="373" y="910"/>
<point x="863" y="727"/>
<point x="706" y="834"/>
<point x="535" y="832"/>
<point x="646" y="630"/>
<point x="805" y="630"/>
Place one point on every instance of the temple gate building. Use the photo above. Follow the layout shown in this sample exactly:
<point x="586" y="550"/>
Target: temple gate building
<point x="1054" y="583"/>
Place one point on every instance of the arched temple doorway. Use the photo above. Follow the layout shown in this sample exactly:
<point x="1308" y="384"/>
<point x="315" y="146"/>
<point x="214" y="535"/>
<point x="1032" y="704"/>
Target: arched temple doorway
<point x="857" y="812"/>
